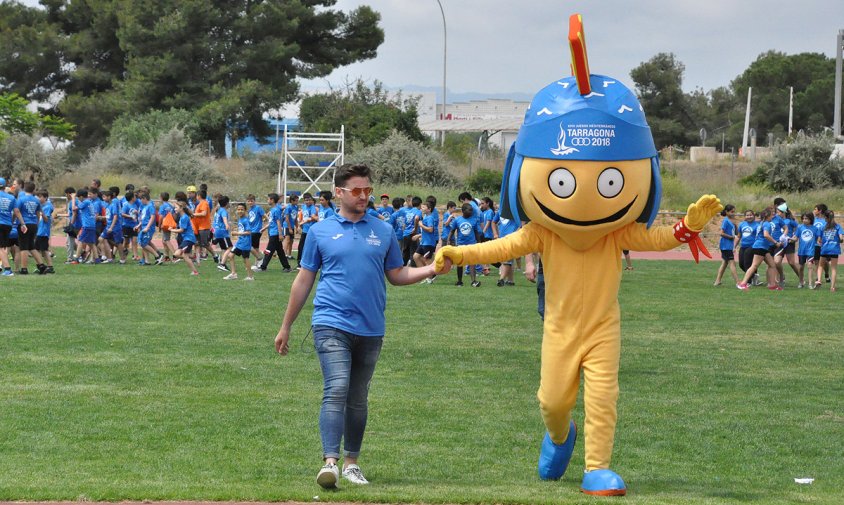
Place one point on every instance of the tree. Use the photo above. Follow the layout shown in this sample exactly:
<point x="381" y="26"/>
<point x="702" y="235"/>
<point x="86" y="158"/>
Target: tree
<point x="16" y="118"/>
<point x="369" y="115"/>
<point x="227" y="61"/>
<point x="658" y="83"/>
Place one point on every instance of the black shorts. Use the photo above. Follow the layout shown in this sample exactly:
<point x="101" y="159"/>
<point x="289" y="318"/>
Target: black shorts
<point x="289" y="232"/>
<point x="186" y="247"/>
<point x="240" y="252"/>
<point x="223" y="243"/>
<point x="203" y="237"/>
<point x="803" y="259"/>
<point x="727" y="255"/>
<point x="5" y="230"/>
<point x="817" y="253"/>
<point x="26" y="241"/>
<point x="42" y="244"/>
<point x="426" y="251"/>
<point x="129" y="232"/>
<point x="789" y="249"/>
<point x="761" y="252"/>
<point x="829" y="256"/>
<point x="256" y="240"/>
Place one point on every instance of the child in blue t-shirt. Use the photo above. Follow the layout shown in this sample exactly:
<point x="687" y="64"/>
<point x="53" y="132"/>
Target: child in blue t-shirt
<point x="424" y="254"/>
<point x="727" y="244"/>
<point x="762" y="247"/>
<point x="243" y="245"/>
<point x="186" y="237"/>
<point x="807" y="238"/>
<point x="45" y="224"/>
<point x="747" y="232"/>
<point x="308" y="218"/>
<point x="397" y="218"/>
<point x="831" y="239"/>
<point x="465" y="228"/>
<point x="165" y="209"/>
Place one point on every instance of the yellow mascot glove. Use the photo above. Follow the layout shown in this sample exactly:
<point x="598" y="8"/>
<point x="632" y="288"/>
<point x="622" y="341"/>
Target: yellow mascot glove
<point x="688" y="229"/>
<point x="702" y="211"/>
<point x="450" y="252"/>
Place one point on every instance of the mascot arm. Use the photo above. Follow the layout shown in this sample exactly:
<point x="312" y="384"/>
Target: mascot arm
<point x="525" y="240"/>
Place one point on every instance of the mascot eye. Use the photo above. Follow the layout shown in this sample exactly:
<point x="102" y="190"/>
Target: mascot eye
<point x="562" y="182"/>
<point x="610" y="182"/>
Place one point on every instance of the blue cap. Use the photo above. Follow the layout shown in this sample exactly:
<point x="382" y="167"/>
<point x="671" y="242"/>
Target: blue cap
<point x="608" y="124"/>
<point x="2" y="182"/>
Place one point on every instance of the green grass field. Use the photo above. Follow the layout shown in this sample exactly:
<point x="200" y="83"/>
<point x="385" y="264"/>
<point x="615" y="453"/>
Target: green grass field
<point x="143" y="383"/>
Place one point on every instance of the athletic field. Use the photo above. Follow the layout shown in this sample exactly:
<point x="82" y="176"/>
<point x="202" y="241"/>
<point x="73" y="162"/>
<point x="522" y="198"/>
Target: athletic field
<point x="142" y="383"/>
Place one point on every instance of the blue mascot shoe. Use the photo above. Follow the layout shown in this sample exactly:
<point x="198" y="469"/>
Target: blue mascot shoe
<point x="603" y="483"/>
<point x="553" y="458"/>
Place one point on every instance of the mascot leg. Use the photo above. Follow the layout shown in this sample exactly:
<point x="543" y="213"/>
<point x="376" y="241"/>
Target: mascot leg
<point x="559" y="382"/>
<point x="600" y="370"/>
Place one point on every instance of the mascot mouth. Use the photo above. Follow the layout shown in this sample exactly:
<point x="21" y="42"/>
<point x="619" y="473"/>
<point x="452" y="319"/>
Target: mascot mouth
<point x="609" y="219"/>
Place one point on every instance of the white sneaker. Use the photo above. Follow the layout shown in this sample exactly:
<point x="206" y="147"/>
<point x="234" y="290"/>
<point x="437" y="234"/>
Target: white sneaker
<point x="230" y="277"/>
<point x="250" y="278"/>
<point x="328" y="476"/>
<point x="353" y="474"/>
<point x="256" y="268"/>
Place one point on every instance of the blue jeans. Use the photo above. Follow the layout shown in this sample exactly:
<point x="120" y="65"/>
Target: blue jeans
<point x="347" y="362"/>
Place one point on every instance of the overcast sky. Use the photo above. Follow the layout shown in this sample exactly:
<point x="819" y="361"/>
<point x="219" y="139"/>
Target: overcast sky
<point x="501" y="46"/>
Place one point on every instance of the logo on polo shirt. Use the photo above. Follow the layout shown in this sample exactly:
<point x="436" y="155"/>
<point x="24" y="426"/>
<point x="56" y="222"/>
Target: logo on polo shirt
<point x="373" y="239"/>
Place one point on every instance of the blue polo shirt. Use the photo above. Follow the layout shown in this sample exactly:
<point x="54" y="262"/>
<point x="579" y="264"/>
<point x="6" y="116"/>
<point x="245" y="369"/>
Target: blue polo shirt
<point x="351" y="258"/>
<point x="29" y="207"/>
<point x="748" y="233"/>
<point x="46" y="223"/>
<point x="8" y="203"/>
<point x="274" y="217"/>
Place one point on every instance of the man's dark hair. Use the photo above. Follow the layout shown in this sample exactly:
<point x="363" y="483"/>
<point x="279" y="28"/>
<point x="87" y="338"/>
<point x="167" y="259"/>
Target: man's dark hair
<point x="450" y="205"/>
<point x="29" y="186"/>
<point x="347" y="171"/>
<point x="250" y="196"/>
<point x="82" y="193"/>
<point x="165" y="196"/>
<point x="203" y="187"/>
<point x="241" y="204"/>
<point x="114" y="191"/>
<point x="778" y="201"/>
<point x="467" y="210"/>
<point x="416" y="201"/>
<point x="181" y="196"/>
<point x="432" y="200"/>
<point x="108" y="193"/>
<point x="130" y="195"/>
<point x="97" y="182"/>
<point x="273" y="197"/>
<point x="397" y="203"/>
<point x="42" y="192"/>
<point x="130" y="187"/>
<point x="822" y="207"/>
<point x="223" y="201"/>
<point x="307" y="196"/>
<point x="293" y="198"/>
<point x="69" y="190"/>
<point x="203" y="194"/>
<point x="464" y="196"/>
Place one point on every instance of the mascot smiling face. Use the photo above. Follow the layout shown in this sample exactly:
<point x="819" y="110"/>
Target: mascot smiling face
<point x="583" y="165"/>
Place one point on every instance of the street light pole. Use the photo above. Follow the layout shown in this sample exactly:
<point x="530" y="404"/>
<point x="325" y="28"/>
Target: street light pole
<point x="445" y="46"/>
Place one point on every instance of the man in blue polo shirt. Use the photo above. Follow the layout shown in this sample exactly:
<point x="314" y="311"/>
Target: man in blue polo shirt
<point x="353" y="251"/>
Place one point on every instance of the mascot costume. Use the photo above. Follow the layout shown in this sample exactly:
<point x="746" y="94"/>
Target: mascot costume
<point x="583" y="179"/>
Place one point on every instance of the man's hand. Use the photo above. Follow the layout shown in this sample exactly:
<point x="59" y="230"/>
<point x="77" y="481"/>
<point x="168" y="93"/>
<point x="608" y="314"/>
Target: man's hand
<point x="281" y="341"/>
<point x="447" y="256"/>
<point x="702" y="211"/>
<point x="530" y="270"/>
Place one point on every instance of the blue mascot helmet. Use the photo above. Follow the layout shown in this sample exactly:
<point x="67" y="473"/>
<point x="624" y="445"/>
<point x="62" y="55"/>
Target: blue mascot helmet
<point x="606" y="124"/>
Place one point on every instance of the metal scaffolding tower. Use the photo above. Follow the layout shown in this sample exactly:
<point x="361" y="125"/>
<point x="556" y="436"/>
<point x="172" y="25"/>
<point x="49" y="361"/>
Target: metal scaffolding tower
<point x="308" y="161"/>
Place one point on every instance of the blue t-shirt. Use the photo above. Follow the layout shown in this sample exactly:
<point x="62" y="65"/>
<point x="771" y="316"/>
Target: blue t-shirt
<point x="256" y="219"/>
<point x="307" y="212"/>
<point x="130" y="210"/>
<point x="164" y="209"/>
<point x="99" y="206"/>
<point x="385" y="212"/>
<point x="373" y="212"/>
<point x="29" y="206"/>
<point x="220" y="218"/>
<point x="466" y="229"/>
<point x="244" y="242"/>
<point x="761" y="242"/>
<point x="790" y="227"/>
<point x="75" y="220"/>
<point x="187" y="227"/>
<point x="807" y="238"/>
<point x="325" y="212"/>
<point x="429" y="238"/>
<point x="86" y="209"/>
<point x="410" y="220"/>
<point x="489" y="217"/>
<point x="748" y="233"/>
<point x="46" y="222"/>
<point x="820" y="224"/>
<point x="291" y="212"/>
<point x="506" y="226"/>
<point x="352" y="258"/>
<point x="777" y="224"/>
<point x="448" y="218"/>
<point x="111" y="211"/>
<point x="398" y="220"/>
<point x="830" y="240"/>
<point x="147" y="214"/>
<point x="727" y="226"/>
<point x="8" y="204"/>
<point x="274" y="217"/>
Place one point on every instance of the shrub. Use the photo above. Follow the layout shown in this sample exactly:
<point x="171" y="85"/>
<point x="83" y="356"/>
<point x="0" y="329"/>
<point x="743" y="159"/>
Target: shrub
<point x="134" y="130"/>
<point x="804" y="165"/>
<point x="263" y="162"/>
<point x="400" y="160"/>
<point x="169" y="158"/>
<point x="23" y="156"/>
<point x="484" y="181"/>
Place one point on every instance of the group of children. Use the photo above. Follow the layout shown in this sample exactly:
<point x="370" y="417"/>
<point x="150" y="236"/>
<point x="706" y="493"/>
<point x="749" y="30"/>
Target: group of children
<point x="774" y="236"/>
<point x="26" y="217"/>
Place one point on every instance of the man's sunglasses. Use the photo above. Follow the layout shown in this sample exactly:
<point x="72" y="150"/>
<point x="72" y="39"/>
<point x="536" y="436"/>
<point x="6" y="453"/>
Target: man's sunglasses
<point x="358" y="192"/>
